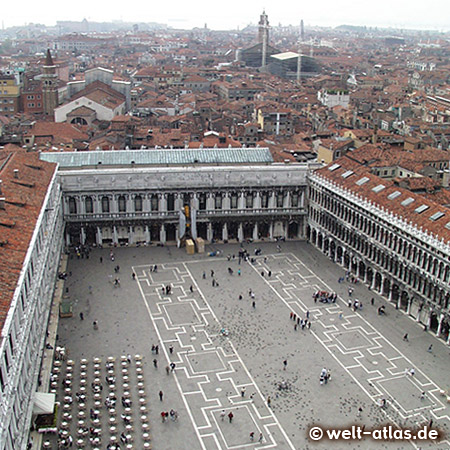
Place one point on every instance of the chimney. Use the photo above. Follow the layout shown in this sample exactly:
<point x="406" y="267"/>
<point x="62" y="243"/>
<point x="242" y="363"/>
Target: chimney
<point x="2" y="202"/>
<point x="16" y="173"/>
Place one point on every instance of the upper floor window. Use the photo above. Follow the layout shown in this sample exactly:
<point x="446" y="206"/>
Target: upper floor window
<point x="105" y="204"/>
<point x="122" y="203"/>
<point x="72" y="206"/>
<point x="138" y="203"/>
<point x="249" y="200"/>
<point x="218" y="201"/>
<point x="88" y="205"/>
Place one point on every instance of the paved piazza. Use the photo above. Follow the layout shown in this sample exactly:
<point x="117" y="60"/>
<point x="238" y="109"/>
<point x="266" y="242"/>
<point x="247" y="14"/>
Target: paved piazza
<point x="229" y="355"/>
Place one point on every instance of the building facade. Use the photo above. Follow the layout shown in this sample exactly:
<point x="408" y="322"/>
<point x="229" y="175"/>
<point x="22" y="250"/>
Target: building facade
<point x="242" y="198"/>
<point x="389" y="238"/>
<point x="30" y="248"/>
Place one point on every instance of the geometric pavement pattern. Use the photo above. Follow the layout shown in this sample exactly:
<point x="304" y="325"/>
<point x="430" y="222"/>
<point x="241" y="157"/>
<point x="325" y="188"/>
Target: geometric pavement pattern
<point x="210" y="373"/>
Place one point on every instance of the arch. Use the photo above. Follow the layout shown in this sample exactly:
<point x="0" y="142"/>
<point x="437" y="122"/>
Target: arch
<point x="79" y="121"/>
<point x="404" y="300"/>
<point x="105" y="204"/>
<point x="138" y="203"/>
<point x="72" y="205"/>
<point x="121" y="203"/>
<point x="88" y="205"/>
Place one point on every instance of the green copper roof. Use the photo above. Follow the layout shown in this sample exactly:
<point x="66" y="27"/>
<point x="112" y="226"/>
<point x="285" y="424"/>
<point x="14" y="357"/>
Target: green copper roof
<point x="160" y="157"/>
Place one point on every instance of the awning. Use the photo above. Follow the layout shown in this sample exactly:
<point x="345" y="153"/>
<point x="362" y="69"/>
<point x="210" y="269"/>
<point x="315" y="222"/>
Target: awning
<point x="43" y="403"/>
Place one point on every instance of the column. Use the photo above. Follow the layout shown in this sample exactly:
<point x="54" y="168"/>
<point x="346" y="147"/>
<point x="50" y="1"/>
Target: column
<point x="285" y="229"/>
<point x="99" y="236"/>
<point x="163" y="205"/>
<point x="147" y="234"/>
<point x="194" y="201"/>
<point x="115" y="237"/>
<point x="408" y="308"/>
<point x="287" y="200"/>
<point x="271" y="230"/>
<point x="272" y="200"/>
<point x="162" y="234"/>
<point x="441" y="319"/>
<point x="146" y="206"/>
<point x="82" y="205"/>
<point x="399" y="301"/>
<point x="257" y="201"/>
<point x="301" y="232"/>
<point x="381" y="284"/>
<point x="131" y="235"/>
<point x="209" y="232"/>
<point x="210" y="202"/>
<point x="68" y="239"/>
<point x="374" y="279"/>
<point x="83" y="236"/>
<point x="225" y="232"/>
<point x="255" y="232"/>
<point x="240" y="232"/>
<point x="96" y="207"/>
<point x="178" y="203"/>
<point x="241" y="201"/>
<point x="129" y="202"/>
<point x="226" y="201"/>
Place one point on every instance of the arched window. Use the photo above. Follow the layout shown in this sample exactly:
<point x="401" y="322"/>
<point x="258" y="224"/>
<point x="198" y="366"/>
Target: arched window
<point x="72" y="206"/>
<point x="122" y="203"/>
<point x="154" y="202"/>
<point x="105" y="204"/>
<point x="218" y="201"/>
<point x="138" y="203"/>
<point x="249" y="200"/>
<point x="88" y="205"/>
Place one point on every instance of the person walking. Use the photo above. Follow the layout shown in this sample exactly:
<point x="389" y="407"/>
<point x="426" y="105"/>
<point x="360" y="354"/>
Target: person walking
<point x="269" y="401"/>
<point x="222" y="415"/>
<point x="252" y="436"/>
<point x="430" y="348"/>
<point x="230" y="416"/>
<point x="81" y="316"/>
<point x="284" y="364"/>
<point x="243" y="392"/>
<point x="161" y="395"/>
<point x="155" y="363"/>
<point x="405" y="337"/>
<point x="254" y="304"/>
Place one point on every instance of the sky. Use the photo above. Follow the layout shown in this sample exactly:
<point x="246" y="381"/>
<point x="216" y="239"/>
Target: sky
<point x="233" y="14"/>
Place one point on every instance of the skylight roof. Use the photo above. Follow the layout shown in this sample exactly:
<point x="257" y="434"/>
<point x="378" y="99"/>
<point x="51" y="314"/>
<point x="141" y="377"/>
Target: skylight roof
<point x="394" y="195"/>
<point x="334" y="167"/>
<point x="378" y="188"/>
<point x="361" y="181"/>
<point x="407" y="202"/>
<point x="347" y="174"/>
<point x="437" y="216"/>
<point x="421" y="209"/>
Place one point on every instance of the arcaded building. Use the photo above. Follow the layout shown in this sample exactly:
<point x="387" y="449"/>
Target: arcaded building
<point x="395" y="241"/>
<point x="31" y="227"/>
<point x="135" y="197"/>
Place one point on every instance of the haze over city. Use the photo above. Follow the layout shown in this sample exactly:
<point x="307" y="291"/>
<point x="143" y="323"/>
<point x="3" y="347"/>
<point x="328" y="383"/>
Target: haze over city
<point x="234" y="14"/>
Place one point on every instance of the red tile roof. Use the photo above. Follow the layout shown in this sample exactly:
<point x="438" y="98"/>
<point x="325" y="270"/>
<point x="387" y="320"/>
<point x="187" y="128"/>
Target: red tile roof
<point x="380" y="199"/>
<point x="24" y="197"/>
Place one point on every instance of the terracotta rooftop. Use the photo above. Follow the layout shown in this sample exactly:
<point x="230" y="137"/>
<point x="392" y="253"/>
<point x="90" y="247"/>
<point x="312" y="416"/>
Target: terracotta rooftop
<point x="383" y="193"/>
<point x="24" y="197"/>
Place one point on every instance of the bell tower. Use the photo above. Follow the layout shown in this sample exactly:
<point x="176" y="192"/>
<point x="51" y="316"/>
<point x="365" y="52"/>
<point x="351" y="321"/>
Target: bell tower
<point x="49" y="85"/>
<point x="263" y="28"/>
